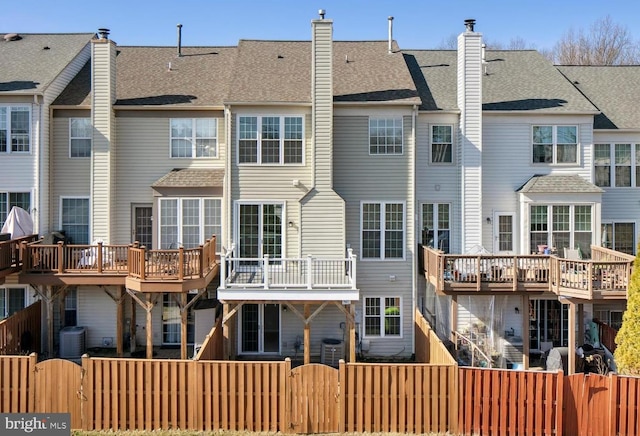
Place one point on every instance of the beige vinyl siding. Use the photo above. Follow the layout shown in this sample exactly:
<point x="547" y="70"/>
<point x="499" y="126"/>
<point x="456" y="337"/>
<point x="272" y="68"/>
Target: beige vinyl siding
<point x="143" y="158"/>
<point x="323" y="225"/>
<point x="70" y="177"/>
<point x="45" y="208"/>
<point x="507" y="165"/>
<point x="98" y="312"/>
<point x="103" y="145"/>
<point x="437" y="183"/>
<point x="322" y="88"/>
<point x="359" y="177"/>
<point x="273" y="183"/>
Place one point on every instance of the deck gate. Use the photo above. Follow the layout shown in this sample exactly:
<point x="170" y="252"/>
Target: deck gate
<point x="58" y="389"/>
<point x="314" y="399"/>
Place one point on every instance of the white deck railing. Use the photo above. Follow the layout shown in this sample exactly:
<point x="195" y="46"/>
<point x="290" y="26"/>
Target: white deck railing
<point x="288" y="273"/>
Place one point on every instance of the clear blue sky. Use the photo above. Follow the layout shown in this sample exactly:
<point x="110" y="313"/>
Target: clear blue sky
<point x="417" y="24"/>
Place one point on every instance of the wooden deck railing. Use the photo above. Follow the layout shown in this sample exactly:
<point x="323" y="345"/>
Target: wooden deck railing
<point x="607" y="335"/>
<point x="608" y="274"/>
<point x="125" y="260"/>
<point x="20" y="333"/>
<point x="10" y="252"/>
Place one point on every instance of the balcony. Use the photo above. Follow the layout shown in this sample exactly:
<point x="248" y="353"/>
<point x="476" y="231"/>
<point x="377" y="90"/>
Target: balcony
<point x="132" y="266"/>
<point x="283" y="279"/>
<point x="605" y="276"/>
<point x="10" y="255"/>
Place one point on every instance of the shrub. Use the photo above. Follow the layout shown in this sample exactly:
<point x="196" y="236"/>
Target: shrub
<point x="627" y="354"/>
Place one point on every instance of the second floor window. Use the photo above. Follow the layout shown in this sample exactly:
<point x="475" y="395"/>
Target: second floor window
<point x="194" y="137"/>
<point x="80" y="135"/>
<point x="189" y="221"/>
<point x="555" y="144"/>
<point x="441" y="144"/>
<point x="74" y="219"/>
<point x="617" y="165"/>
<point x="15" y="129"/>
<point x="385" y="135"/>
<point x="275" y="140"/>
<point x="382" y="230"/>
<point x="436" y="226"/>
<point x="10" y="199"/>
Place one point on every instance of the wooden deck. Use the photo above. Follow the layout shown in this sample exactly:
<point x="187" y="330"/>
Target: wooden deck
<point x="10" y="260"/>
<point x="132" y="266"/>
<point x="605" y="276"/>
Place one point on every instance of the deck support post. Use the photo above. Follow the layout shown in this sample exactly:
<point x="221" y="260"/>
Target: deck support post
<point x="132" y="327"/>
<point x="454" y="317"/>
<point x="149" y="327"/>
<point x="225" y="331"/>
<point x="49" y="305"/>
<point x="120" y="322"/>
<point x="183" y="326"/>
<point x="352" y="333"/>
<point x="571" y="360"/>
<point x="307" y="335"/>
<point x="580" y="335"/>
<point x="526" y="333"/>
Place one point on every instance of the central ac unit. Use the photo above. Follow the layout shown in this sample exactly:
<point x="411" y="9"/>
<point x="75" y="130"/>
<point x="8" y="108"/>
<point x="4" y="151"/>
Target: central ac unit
<point x="72" y="342"/>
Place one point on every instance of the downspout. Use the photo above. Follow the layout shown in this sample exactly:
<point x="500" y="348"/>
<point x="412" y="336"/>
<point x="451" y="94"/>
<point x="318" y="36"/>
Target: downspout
<point x="414" y="268"/>
<point x="227" y="180"/>
<point x="38" y="192"/>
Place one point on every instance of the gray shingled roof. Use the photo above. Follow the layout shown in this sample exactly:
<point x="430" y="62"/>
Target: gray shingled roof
<point x="555" y="183"/>
<point x="200" y="77"/>
<point x="280" y="71"/>
<point x="516" y="80"/>
<point x="191" y="178"/>
<point x="615" y="90"/>
<point x="28" y="66"/>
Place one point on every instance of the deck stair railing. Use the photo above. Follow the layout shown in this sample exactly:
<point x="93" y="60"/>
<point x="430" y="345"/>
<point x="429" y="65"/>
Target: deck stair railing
<point x="468" y="353"/>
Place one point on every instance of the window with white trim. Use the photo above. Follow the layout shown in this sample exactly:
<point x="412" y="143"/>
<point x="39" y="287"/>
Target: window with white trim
<point x="617" y="165"/>
<point x="561" y="226"/>
<point x="15" y="129"/>
<point x="10" y="199"/>
<point x="80" y="136"/>
<point x="12" y="300"/>
<point x="442" y="144"/>
<point x="194" y="137"/>
<point x="619" y="236"/>
<point x="74" y="219"/>
<point x="382" y="317"/>
<point x="555" y="144"/>
<point x="436" y="226"/>
<point x="189" y="221"/>
<point x="71" y="307"/>
<point x="383" y="230"/>
<point x="385" y="135"/>
<point x="270" y="140"/>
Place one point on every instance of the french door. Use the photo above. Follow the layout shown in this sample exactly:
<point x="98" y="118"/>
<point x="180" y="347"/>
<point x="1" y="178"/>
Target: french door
<point x="172" y="321"/>
<point x="503" y="233"/>
<point x="259" y="232"/>
<point x="260" y="329"/>
<point x="143" y="225"/>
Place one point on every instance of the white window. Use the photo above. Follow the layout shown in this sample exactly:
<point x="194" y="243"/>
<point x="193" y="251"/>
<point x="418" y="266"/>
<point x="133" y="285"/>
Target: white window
<point x="441" y="144"/>
<point x="436" y="226"/>
<point x="10" y="199"/>
<point x="619" y="236"/>
<point x="12" y="300"/>
<point x="71" y="307"/>
<point x="617" y="165"/>
<point x="561" y="226"/>
<point x="80" y="134"/>
<point x="74" y="219"/>
<point x="189" y="221"/>
<point x="382" y="316"/>
<point x="194" y="137"/>
<point x="385" y="135"/>
<point x="270" y="140"/>
<point x="382" y="230"/>
<point x="15" y="129"/>
<point x="555" y="144"/>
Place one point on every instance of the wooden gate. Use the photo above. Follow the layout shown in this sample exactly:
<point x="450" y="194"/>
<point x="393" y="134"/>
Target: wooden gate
<point x="314" y="399"/>
<point x="57" y="389"/>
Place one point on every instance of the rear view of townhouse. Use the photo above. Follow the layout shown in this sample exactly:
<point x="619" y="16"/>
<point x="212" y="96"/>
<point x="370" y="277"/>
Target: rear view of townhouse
<point x="314" y="193"/>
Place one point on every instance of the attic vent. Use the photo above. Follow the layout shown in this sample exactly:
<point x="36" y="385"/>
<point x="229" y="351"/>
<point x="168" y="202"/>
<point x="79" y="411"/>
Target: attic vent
<point x="12" y="37"/>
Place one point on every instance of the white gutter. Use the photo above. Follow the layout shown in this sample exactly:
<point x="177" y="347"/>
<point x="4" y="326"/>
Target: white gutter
<point x="414" y="269"/>
<point x="227" y="181"/>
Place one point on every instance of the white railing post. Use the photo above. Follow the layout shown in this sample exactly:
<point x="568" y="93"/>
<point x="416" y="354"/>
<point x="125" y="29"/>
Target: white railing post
<point x="223" y="270"/>
<point x="352" y="268"/>
<point x="265" y="271"/>
<point x="309" y="272"/>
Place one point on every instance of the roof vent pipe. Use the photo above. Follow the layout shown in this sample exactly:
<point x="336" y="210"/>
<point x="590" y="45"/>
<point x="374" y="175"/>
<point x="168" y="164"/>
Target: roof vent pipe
<point x="322" y="12"/>
<point x="390" y="33"/>
<point x="469" y="23"/>
<point x="179" y="40"/>
<point x="103" y="33"/>
<point x="484" y="54"/>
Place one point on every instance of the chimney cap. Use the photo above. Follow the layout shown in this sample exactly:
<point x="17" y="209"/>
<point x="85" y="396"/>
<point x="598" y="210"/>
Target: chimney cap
<point x="322" y="13"/>
<point x="469" y="23"/>
<point x="103" y="33"/>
